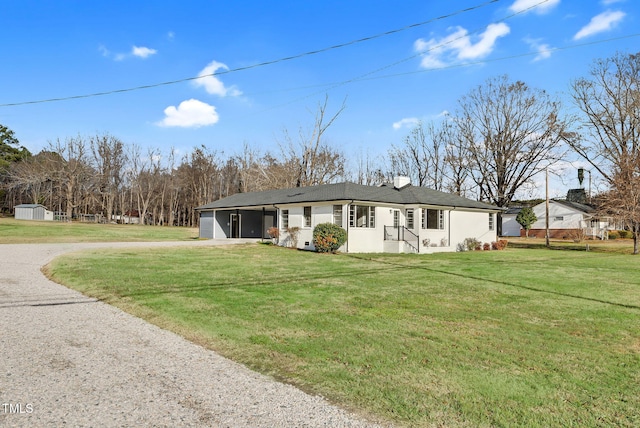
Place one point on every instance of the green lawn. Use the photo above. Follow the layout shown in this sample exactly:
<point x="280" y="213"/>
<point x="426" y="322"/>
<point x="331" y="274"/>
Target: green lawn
<point x="26" y="232"/>
<point x="522" y="337"/>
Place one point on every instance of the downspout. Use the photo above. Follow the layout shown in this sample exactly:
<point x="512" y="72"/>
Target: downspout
<point x="449" y="226"/>
<point x="348" y="221"/>
<point x="277" y="222"/>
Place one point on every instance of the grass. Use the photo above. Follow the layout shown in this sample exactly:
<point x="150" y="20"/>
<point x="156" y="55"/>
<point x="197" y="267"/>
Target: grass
<point x="619" y="246"/>
<point x="27" y="232"/>
<point x="522" y="337"/>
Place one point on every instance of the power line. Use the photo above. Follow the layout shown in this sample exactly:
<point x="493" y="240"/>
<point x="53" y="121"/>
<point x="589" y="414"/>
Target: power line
<point x="332" y="85"/>
<point x="261" y="64"/>
<point x="451" y="41"/>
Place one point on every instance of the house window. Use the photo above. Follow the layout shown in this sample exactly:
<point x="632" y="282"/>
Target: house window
<point x="307" y="216"/>
<point x="337" y="215"/>
<point x="432" y="219"/>
<point x="362" y="216"/>
<point x="396" y="218"/>
<point x="491" y="221"/>
<point x="285" y="219"/>
<point x="409" y="219"/>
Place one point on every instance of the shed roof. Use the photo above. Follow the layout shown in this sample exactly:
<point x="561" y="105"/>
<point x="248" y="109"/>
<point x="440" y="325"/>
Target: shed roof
<point x="29" y="206"/>
<point x="405" y="195"/>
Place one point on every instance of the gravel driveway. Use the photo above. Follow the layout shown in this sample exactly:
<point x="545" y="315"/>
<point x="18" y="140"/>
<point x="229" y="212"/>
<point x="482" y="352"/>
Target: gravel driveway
<point x="66" y="359"/>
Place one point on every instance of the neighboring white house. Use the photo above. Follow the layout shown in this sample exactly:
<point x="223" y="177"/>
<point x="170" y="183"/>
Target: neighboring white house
<point x="129" y="217"/>
<point x="566" y="218"/>
<point x="32" y="212"/>
<point x="389" y="218"/>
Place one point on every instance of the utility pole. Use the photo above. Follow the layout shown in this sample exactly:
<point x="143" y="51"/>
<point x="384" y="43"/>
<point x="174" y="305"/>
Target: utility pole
<point x="546" y="207"/>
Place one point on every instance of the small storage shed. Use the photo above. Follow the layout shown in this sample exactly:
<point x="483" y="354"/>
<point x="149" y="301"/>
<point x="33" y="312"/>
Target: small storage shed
<point x="32" y="212"/>
<point x="510" y="227"/>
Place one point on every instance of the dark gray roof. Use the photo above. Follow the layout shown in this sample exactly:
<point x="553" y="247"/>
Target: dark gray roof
<point x="513" y="210"/>
<point x="347" y="191"/>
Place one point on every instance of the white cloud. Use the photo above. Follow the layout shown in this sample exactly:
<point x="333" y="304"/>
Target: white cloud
<point x="609" y="2"/>
<point x="104" y="51"/>
<point x="136" y="51"/>
<point x="543" y="49"/>
<point x="408" y="122"/>
<point x="458" y="45"/>
<point x="533" y="6"/>
<point x="486" y="43"/>
<point x="212" y="84"/>
<point x="600" y="23"/>
<point x="190" y="114"/>
<point x="142" y="52"/>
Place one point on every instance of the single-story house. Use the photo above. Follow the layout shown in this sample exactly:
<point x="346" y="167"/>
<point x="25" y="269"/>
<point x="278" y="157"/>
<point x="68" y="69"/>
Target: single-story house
<point x="32" y="212"/>
<point x="393" y="218"/>
<point x="566" y="218"/>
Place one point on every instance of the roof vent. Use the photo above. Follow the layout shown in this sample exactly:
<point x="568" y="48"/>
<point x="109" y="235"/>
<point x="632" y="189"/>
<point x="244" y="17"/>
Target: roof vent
<point x="401" y="181"/>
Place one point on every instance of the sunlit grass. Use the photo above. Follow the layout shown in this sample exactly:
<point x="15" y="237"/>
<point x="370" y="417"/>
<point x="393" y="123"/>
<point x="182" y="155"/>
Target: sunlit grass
<point x="27" y="232"/>
<point x="501" y="338"/>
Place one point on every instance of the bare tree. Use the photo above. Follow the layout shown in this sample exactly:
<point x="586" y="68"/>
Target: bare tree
<point x="144" y="179"/>
<point x="456" y="163"/>
<point x="369" y="170"/>
<point x="421" y="157"/>
<point x="201" y="181"/>
<point x="609" y="102"/>
<point x="110" y="159"/>
<point x="316" y="162"/>
<point x="171" y="189"/>
<point x="72" y="170"/>
<point x="622" y="201"/>
<point x="511" y="133"/>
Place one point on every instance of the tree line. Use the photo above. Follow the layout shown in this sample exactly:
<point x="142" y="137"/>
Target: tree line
<point x="501" y="135"/>
<point x="103" y="175"/>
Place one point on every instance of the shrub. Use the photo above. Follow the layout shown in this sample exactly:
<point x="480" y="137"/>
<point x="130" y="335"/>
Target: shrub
<point x="486" y="246"/>
<point x="625" y="234"/>
<point x="294" y="234"/>
<point x="328" y="237"/>
<point x="500" y="244"/>
<point x="613" y="235"/>
<point x="577" y="235"/>
<point x="472" y="244"/>
<point x="525" y="218"/>
<point x="274" y="234"/>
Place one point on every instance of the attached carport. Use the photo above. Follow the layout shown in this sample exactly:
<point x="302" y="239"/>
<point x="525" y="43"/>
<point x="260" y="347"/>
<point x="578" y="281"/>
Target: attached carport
<point x="237" y="223"/>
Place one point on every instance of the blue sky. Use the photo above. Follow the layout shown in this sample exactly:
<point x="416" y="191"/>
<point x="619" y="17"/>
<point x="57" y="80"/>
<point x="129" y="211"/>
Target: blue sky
<point x="60" y="49"/>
